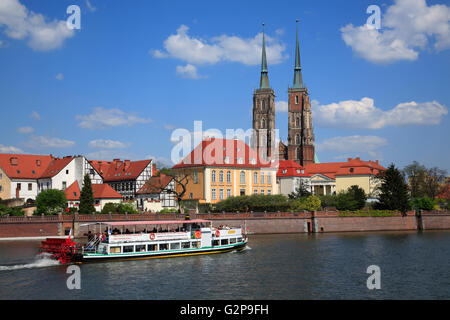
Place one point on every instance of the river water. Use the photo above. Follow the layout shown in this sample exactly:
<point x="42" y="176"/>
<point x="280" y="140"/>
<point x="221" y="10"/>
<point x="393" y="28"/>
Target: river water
<point x="290" y="266"/>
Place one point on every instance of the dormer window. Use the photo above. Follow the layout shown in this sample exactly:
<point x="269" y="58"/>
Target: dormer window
<point x="284" y="171"/>
<point x="298" y="171"/>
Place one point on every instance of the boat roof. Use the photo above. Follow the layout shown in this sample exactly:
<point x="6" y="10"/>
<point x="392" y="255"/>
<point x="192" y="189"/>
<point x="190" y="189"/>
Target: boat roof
<point x="129" y="223"/>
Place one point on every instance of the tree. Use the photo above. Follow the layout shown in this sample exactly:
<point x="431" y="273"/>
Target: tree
<point x="434" y="179"/>
<point x="423" y="203"/>
<point x="415" y="174"/>
<point x="393" y="191"/>
<point x="300" y="192"/>
<point x="86" y="197"/>
<point x="50" y="202"/>
<point x="181" y="179"/>
<point x="359" y="195"/>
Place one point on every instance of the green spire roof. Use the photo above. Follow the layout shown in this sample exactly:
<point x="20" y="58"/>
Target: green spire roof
<point x="264" y="83"/>
<point x="298" y="81"/>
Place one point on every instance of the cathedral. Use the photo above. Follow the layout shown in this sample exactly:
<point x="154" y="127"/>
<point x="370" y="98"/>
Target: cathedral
<point x="300" y="142"/>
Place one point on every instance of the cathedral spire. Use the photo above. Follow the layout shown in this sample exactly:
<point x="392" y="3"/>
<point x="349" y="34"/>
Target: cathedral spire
<point x="264" y="83"/>
<point x="298" y="81"/>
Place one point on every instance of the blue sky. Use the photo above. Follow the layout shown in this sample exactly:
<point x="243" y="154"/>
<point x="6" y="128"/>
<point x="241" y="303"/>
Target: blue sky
<point x="136" y="71"/>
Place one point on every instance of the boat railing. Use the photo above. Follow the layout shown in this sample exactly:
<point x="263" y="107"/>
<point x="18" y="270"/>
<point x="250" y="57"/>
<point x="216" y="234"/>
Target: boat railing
<point x="91" y="246"/>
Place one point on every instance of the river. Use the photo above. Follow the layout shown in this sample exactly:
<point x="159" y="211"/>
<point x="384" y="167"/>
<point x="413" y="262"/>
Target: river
<point x="279" y="267"/>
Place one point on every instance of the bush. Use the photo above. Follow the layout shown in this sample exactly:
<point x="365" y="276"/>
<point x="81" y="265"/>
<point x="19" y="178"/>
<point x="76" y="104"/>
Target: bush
<point x="109" y="207"/>
<point x="256" y="202"/>
<point x="328" y="201"/>
<point x="16" y="211"/>
<point x="423" y="203"/>
<point x="50" y="202"/>
<point x="168" y="210"/>
<point x="126" y="208"/>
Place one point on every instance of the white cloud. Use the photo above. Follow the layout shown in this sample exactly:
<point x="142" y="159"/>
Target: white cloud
<point x="161" y="161"/>
<point x="103" y="118"/>
<point x="22" y="23"/>
<point x="407" y="26"/>
<point x="169" y="126"/>
<point x="25" y="130"/>
<point x="9" y="149"/>
<point x="221" y="48"/>
<point x="108" y="155"/>
<point x="59" y="76"/>
<point x="41" y="142"/>
<point x="35" y="115"/>
<point x="90" y="6"/>
<point x="189" y="71"/>
<point x="107" y="144"/>
<point x="364" y="114"/>
<point x="352" y="144"/>
<point x="281" y="106"/>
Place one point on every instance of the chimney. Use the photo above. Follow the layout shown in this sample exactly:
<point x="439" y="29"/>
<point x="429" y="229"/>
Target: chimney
<point x="349" y="159"/>
<point x="118" y="163"/>
<point x="376" y="161"/>
<point x="154" y="170"/>
<point x="127" y="165"/>
<point x="357" y="158"/>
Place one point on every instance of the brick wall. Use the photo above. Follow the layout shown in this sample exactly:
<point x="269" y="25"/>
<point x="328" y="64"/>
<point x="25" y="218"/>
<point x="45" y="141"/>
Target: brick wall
<point x="13" y="230"/>
<point x="435" y="221"/>
<point x="344" y="224"/>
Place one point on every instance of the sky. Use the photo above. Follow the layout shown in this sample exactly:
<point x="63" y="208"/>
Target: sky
<point x="135" y="72"/>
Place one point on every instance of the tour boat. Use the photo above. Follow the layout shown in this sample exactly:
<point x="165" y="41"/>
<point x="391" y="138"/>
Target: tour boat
<point x="157" y="239"/>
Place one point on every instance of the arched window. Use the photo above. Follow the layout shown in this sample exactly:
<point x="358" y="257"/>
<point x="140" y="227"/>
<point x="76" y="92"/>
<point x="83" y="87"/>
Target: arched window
<point x="262" y="178"/>
<point x="255" y="177"/>
<point x="297" y="122"/>
<point x="221" y="176"/>
<point x="213" y="176"/>
<point x="297" y="139"/>
<point x="242" y="177"/>
<point x="263" y="123"/>
<point x="228" y="176"/>
<point x="263" y="105"/>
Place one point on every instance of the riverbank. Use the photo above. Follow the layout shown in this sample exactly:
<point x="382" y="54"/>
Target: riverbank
<point x="40" y="227"/>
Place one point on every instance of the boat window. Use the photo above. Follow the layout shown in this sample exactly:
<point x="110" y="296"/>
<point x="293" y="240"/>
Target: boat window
<point x="140" y="248"/>
<point x="224" y="242"/>
<point x="232" y="240"/>
<point x="175" y="245"/>
<point x="151" y="247"/>
<point x="185" y="245"/>
<point x="163" y="246"/>
<point x="128" y="248"/>
<point x="239" y="239"/>
<point x="195" y="244"/>
<point x="115" y="250"/>
<point x="215" y="242"/>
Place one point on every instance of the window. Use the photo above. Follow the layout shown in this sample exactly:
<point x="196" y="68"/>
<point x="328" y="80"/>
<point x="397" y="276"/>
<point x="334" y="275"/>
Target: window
<point x="19" y="186"/>
<point x="91" y="171"/>
<point x="30" y="187"/>
<point x="67" y="171"/>
<point x="128" y="249"/>
<point x="228" y="193"/>
<point x="64" y="185"/>
<point x="255" y="191"/>
<point x="33" y="172"/>
<point x="232" y="240"/>
<point x="263" y="105"/>
<point x="297" y="122"/>
<point x="269" y="191"/>
<point x="195" y="177"/>
<point x="262" y="191"/>
<point x="175" y="246"/>
<point x="163" y="246"/>
<point x="224" y="242"/>
<point x="215" y="242"/>
<point x="297" y="139"/>
<point x="114" y="250"/>
<point x="191" y="195"/>
<point x="213" y="176"/>
<point x="262" y="178"/>
<point x="239" y="239"/>
<point x="151" y="247"/>
<point x="263" y="123"/>
<point x="242" y="192"/>
<point x="0" y="188"/>
<point x="196" y="244"/>
<point x="255" y="177"/>
<point x="242" y="177"/>
<point x="221" y="176"/>
<point x="221" y="194"/>
<point x="269" y="178"/>
<point x="140" y="248"/>
<point x="186" y="245"/>
<point x="296" y="99"/>
<point x="228" y="176"/>
<point x="213" y="194"/>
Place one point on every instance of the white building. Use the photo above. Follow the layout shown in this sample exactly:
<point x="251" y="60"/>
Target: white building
<point x="290" y="176"/>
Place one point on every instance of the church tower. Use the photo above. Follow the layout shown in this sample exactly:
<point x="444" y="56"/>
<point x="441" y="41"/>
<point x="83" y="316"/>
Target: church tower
<point x="264" y="111"/>
<point x="300" y="127"/>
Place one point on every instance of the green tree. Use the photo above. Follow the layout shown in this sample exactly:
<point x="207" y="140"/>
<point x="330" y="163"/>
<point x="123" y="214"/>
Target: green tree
<point x="109" y="208"/>
<point x="86" y="197"/>
<point x="423" y="203"/>
<point x="300" y="192"/>
<point x="359" y="195"/>
<point x="50" y="202"/>
<point x="312" y="203"/>
<point x="393" y="190"/>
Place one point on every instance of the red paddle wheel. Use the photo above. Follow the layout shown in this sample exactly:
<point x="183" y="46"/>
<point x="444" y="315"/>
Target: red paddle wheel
<point x="61" y="249"/>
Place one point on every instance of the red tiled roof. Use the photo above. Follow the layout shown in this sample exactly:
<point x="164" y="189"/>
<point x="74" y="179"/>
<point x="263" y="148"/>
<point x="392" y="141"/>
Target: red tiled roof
<point x="73" y="192"/>
<point x="222" y="153"/>
<point x="24" y="166"/>
<point x="56" y="166"/>
<point x="118" y="170"/>
<point x="351" y="167"/>
<point x="100" y="191"/>
<point x="104" y="191"/>
<point x="155" y="184"/>
<point x="289" y="168"/>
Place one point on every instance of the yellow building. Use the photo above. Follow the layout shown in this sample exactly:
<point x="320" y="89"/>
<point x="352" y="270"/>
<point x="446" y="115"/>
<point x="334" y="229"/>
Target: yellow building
<point x="5" y="185"/>
<point x="221" y="168"/>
